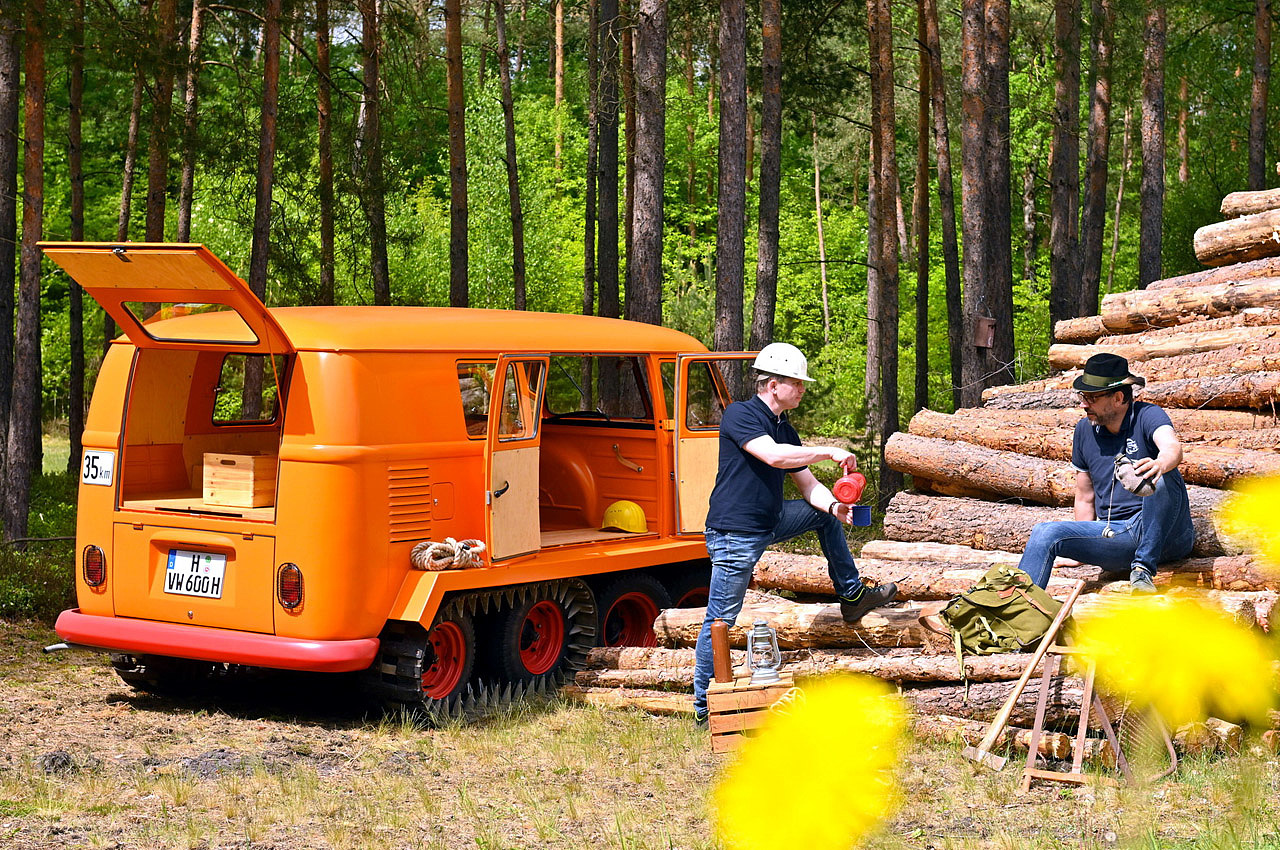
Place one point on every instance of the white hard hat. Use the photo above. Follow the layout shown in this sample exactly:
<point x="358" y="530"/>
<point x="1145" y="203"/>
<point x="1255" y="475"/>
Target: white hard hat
<point x="782" y="358"/>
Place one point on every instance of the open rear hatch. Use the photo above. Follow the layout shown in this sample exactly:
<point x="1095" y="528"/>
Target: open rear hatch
<point x="196" y="443"/>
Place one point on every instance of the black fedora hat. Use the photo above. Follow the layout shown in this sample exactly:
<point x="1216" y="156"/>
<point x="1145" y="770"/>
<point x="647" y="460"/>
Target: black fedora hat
<point x="1104" y="372"/>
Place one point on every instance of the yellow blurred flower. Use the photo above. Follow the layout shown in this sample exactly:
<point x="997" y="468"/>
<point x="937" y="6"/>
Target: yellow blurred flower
<point x="1251" y="513"/>
<point x="1182" y="658"/>
<point x="819" y="774"/>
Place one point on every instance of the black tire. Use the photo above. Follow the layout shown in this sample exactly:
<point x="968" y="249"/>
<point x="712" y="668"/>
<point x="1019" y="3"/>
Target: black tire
<point x="545" y="632"/>
<point x="426" y="671"/>
<point x="162" y="675"/>
<point x="448" y="657"/>
<point x="688" y="585"/>
<point x="628" y="606"/>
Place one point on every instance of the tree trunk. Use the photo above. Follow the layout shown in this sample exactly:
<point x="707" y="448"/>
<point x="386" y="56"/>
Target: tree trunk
<point x="920" y="211"/>
<point x="1152" y="213"/>
<point x="1058" y="746"/>
<point x="75" y="295"/>
<point x="1258" y="94"/>
<point x="626" y="23"/>
<point x="190" y="118"/>
<point x="1093" y="215"/>
<point x="1031" y="240"/>
<point x="770" y="173"/>
<point x="982" y="700"/>
<point x="10" y="91"/>
<point x="884" y="314"/>
<point x="691" y="166"/>
<point x="1236" y="240"/>
<point x="1183" y="420"/>
<point x="1240" y="358"/>
<point x="822" y="242"/>
<point x="374" y="185"/>
<point x="607" y="185"/>
<point x="650" y="68"/>
<point x="513" y="172"/>
<point x="126" y="187"/>
<point x="983" y="524"/>
<point x="161" y="108"/>
<point x="593" y="147"/>
<point x="1233" y="205"/>
<point x="1139" y="310"/>
<point x="1255" y="392"/>
<point x="1147" y="347"/>
<point x="872" y="384"/>
<point x="559" y="81"/>
<point x="1115" y="219"/>
<point x="946" y="200"/>
<point x="798" y="625"/>
<point x="732" y="184"/>
<point x="1005" y="474"/>
<point x="1066" y="299"/>
<point x="324" y="142"/>
<point x="22" y="461"/>
<point x="483" y="66"/>
<point x="458" y="294"/>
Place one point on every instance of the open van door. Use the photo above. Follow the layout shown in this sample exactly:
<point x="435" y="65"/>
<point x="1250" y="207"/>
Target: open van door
<point x="511" y="455"/>
<point x="702" y="394"/>
<point x="140" y="284"/>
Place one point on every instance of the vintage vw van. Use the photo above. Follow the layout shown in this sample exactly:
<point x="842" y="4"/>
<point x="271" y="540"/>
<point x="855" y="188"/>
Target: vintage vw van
<point x="255" y="482"/>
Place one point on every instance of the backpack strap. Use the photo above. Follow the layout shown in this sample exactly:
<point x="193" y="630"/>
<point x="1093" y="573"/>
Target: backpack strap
<point x="1032" y="602"/>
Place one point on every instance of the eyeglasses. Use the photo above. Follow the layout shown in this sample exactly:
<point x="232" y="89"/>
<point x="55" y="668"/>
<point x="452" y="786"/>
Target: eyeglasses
<point x="1090" y="398"/>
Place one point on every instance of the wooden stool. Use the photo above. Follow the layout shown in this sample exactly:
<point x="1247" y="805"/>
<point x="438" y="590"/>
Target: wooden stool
<point x="738" y="706"/>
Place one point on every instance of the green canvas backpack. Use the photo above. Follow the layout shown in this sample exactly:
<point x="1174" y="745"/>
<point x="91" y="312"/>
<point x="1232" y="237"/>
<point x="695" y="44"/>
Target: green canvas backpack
<point x="1004" y="612"/>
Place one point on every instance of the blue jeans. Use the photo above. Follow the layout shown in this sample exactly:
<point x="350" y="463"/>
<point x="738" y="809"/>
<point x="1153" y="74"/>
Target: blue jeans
<point x="733" y="558"/>
<point x="1160" y="532"/>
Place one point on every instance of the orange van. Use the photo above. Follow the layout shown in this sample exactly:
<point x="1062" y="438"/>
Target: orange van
<point x="459" y="503"/>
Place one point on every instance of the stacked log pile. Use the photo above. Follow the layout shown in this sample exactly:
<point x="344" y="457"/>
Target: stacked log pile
<point x="1209" y="345"/>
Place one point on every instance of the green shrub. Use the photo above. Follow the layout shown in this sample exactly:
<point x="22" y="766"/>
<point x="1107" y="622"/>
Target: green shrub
<point x="38" y="583"/>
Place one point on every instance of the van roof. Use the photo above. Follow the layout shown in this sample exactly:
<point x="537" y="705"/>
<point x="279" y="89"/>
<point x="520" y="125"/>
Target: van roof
<point x="440" y="329"/>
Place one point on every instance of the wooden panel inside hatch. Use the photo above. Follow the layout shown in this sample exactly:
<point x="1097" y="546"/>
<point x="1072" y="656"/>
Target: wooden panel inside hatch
<point x="140" y="268"/>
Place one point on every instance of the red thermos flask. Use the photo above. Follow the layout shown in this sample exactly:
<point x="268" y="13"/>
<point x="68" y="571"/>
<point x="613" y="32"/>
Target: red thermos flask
<point x="849" y="488"/>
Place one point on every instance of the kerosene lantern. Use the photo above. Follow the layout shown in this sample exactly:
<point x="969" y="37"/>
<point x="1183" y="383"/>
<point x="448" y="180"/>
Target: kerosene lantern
<point x="763" y="656"/>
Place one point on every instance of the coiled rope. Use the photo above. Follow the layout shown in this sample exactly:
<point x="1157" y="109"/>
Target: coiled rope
<point x="449" y="555"/>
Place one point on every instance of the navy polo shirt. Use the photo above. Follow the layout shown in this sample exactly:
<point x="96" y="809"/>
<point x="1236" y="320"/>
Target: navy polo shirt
<point x="748" y="492"/>
<point x="1094" y="451"/>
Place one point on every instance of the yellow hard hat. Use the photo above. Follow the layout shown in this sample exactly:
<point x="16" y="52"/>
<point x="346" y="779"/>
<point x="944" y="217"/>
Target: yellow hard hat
<point x="624" y="515"/>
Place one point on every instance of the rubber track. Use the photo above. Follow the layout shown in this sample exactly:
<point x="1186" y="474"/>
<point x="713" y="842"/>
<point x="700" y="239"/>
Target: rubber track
<point x="396" y="675"/>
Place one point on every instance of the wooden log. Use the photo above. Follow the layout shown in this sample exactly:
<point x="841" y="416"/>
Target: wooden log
<point x="1237" y="240"/>
<point x="898" y="550"/>
<point x="977" y="468"/>
<point x="1240" y="607"/>
<point x="1067" y="417"/>
<point x="653" y="702"/>
<point x="1150" y="347"/>
<point x="799" y="625"/>
<point x="666" y="658"/>
<point x="984" y="699"/>
<point x="1236" y="204"/>
<point x="1265" y="267"/>
<point x="1082" y="329"/>
<point x="1195" y="739"/>
<point x="1230" y="737"/>
<point x="1271" y="741"/>
<point x="1207" y="465"/>
<point x="993" y="525"/>
<point x="1142" y="309"/>
<point x="1053" y="745"/>
<point x="1259" y="439"/>
<point x="1257" y="391"/>
<point x="1248" y="317"/>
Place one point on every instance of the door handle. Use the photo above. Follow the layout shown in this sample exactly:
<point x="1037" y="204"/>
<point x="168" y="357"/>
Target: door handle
<point x="506" y="485"/>
<point x="629" y="464"/>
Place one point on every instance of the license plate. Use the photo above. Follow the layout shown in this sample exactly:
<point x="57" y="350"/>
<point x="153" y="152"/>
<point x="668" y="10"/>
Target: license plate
<point x="195" y="573"/>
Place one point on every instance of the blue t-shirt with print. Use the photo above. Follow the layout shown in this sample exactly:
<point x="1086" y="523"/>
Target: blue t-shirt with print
<point x="748" y="492"/>
<point x="1094" y="451"/>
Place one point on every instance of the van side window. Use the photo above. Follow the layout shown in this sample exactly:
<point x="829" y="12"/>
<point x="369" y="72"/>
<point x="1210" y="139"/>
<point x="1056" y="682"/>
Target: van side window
<point x="475" y="383"/>
<point x="706" y="397"/>
<point x="599" y="389"/>
<point x="246" y="392"/>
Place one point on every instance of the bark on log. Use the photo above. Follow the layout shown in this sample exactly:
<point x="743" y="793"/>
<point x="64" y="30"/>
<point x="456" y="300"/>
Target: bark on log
<point x="1143" y="347"/>
<point x="1258" y="439"/>
<point x="1256" y="391"/>
<point x="1141" y="309"/>
<point x="1055" y="745"/>
<point x="977" y="468"/>
<point x="1248" y="317"/>
<point x="1236" y="204"/>
<point x="665" y="658"/>
<point x="960" y="556"/>
<point x="993" y="525"/>
<point x="799" y="625"/>
<point x="1183" y="420"/>
<point x="1204" y="464"/>
<point x="654" y="702"/>
<point x="1266" y="267"/>
<point x="1237" y="240"/>
<point x="984" y="699"/>
<point x="1082" y="329"/>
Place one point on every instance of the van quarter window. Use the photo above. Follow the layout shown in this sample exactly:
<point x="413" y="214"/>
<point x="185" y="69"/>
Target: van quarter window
<point x="233" y="404"/>
<point x="599" y="389"/>
<point x="233" y="330"/>
<point x="519" y="418"/>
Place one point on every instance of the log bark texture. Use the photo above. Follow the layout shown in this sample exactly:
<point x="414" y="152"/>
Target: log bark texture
<point x="1236" y="240"/>
<point x="1248" y="317"/>
<point x="1236" y="204"/>
<point x="993" y="525"/>
<point x="1081" y="329"/>
<point x="798" y="625"/>
<point x="984" y="699"/>
<point x="1137" y="310"/>
<point x="1255" y="391"/>
<point x="1054" y="745"/>
<point x="960" y="556"/>
<point x="1142" y="347"/>
<point x="1266" y="267"/>
<point x="1067" y="417"/>
<point x="654" y="702"/>
<point x="973" y="467"/>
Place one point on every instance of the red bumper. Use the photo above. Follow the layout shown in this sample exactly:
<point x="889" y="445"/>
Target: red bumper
<point x="146" y="637"/>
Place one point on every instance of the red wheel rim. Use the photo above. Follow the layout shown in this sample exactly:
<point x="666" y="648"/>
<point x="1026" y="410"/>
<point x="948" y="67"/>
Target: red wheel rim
<point x="694" y="597"/>
<point x="542" y="637"/>
<point x="630" y="621"/>
<point x="450" y="648"/>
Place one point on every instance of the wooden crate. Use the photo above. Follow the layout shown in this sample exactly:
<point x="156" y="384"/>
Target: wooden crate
<point x="239" y="480"/>
<point x="737" y="707"/>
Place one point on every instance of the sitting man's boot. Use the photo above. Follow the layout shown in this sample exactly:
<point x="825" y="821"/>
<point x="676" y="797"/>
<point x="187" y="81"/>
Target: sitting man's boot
<point x="852" y="609"/>
<point x="1140" y="581"/>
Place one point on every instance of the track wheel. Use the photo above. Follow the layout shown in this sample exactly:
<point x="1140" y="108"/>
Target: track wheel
<point x="628" y="606"/>
<point x="690" y="585"/>
<point x="544" y="632"/>
<point x="448" y="657"/>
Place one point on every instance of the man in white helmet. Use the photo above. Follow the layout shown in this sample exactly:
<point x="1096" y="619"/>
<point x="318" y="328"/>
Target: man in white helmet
<point x="758" y="449"/>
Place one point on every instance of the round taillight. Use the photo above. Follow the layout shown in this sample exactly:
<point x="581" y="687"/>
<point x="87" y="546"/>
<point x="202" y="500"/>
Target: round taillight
<point x="94" y="566"/>
<point x="289" y="586"/>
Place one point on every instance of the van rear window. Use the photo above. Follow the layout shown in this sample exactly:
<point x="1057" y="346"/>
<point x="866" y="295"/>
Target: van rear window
<point x="232" y="331"/>
<point x="246" y="392"/>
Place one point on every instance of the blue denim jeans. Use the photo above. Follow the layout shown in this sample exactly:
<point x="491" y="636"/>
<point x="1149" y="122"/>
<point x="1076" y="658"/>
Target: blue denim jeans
<point x="1160" y="532"/>
<point x="733" y="558"/>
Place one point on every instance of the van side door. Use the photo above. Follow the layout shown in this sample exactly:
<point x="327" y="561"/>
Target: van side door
<point x="702" y="394"/>
<point x="511" y="455"/>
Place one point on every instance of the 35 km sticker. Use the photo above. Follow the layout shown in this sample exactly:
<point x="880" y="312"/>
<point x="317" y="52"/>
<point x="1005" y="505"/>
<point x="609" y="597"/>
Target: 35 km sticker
<point x="98" y="467"/>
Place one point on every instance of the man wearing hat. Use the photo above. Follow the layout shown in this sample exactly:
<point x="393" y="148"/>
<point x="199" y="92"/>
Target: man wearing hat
<point x="1131" y="508"/>
<point x="758" y="450"/>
